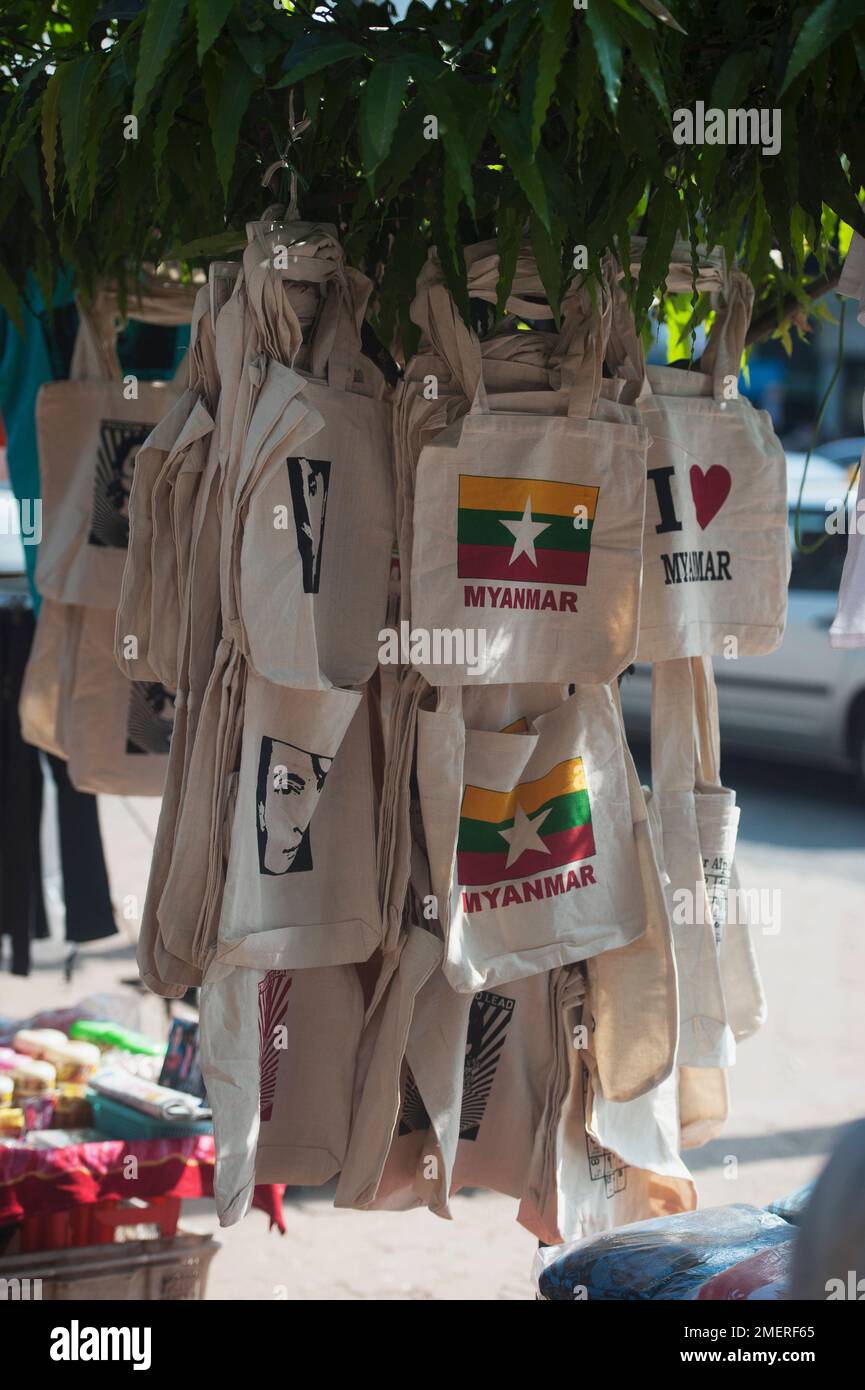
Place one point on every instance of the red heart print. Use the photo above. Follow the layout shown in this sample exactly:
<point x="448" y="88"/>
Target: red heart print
<point x="709" y="491"/>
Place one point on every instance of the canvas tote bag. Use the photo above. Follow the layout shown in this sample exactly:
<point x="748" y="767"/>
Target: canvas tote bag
<point x="740" y="974"/>
<point x="140" y="613"/>
<point x="301" y="882"/>
<point x="635" y="1049"/>
<point x="278" y="1053"/>
<point x="117" y="732"/>
<point x="617" y="1162"/>
<point x="380" y="1066"/>
<point x="515" y="530"/>
<point x="45" y="690"/>
<point x="530" y="837"/>
<point x="164" y="973"/>
<point x="716" y="551"/>
<point x="189" y="906"/>
<point x="697" y="827"/>
<point x="89" y="434"/>
<point x="474" y="1094"/>
<point x="318" y="524"/>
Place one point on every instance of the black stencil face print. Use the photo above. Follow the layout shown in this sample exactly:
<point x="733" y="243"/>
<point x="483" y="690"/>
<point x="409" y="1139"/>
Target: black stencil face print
<point x="288" y="786"/>
<point x="489" y="1017"/>
<point x="150" y="718"/>
<point x="119" y="442"/>
<point x="309" y="480"/>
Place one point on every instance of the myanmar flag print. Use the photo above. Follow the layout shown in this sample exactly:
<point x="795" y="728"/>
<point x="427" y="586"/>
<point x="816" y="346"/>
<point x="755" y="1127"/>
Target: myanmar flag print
<point x="539" y="825"/>
<point x="524" y="528"/>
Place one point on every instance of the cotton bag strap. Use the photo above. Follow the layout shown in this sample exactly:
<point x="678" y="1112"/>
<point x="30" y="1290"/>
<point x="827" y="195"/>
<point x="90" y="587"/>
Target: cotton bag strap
<point x="726" y="342"/>
<point x="94" y="356"/>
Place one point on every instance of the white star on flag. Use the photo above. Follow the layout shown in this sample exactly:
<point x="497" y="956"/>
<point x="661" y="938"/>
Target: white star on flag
<point x="523" y="835"/>
<point x="525" y="532"/>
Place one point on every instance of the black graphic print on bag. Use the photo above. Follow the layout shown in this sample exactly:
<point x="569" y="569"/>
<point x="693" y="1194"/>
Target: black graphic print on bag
<point x="288" y="786"/>
<point x="149" y="719"/>
<point x="119" y="442"/>
<point x="309" y="480"/>
<point x="489" y="1017"/>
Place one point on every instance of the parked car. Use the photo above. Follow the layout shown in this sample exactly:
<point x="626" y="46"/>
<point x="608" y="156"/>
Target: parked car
<point x="806" y="699"/>
<point x="846" y="452"/>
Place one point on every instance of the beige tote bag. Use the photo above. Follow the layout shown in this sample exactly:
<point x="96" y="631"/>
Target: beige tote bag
<point x="117" y="731"/>
<point x="530" y="838"/>
<point x="740" y="974"/>
<point x="697" y="828"/>
<point x="301" y="884"/>
<point x="318" y="521"/>
<point x="528" y="527"/>
<point x="716" y="549"/>
<point x="278" y="1053"/>
<point x="48" y="677"/>
<point x="90" y="429"/>
<point x="380" y="1066"/>
<point x="618" y="1162"/>
<point x="635" y="1049"/>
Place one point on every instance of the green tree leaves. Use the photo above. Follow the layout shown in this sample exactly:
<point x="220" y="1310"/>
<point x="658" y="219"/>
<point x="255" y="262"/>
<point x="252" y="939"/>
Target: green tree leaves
<point x="462" y="120"/>
<point x="379" y="109"/>
<point x="162" y="20"/>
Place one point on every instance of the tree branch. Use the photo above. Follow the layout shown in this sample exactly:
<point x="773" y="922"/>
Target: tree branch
<point x="766" y="324"/>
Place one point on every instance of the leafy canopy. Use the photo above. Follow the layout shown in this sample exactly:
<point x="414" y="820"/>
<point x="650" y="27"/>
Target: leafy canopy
<point x="548" y="118"/>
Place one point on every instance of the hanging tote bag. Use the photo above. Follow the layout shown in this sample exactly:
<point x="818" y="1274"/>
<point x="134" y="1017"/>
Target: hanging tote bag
<point x="528" y="528"/>
<point x="635" y="1050"/>
<point x="89" y="434"/>
<point x="117" y="732"/>
<point x="618" y="1162"/>
<point x="301" y="883"/>
<point x="278" y="1052"/>
<point x="744" y="999"/>
<point x="716" y="550"/>
<point x="318" y="521"/>
<point x="530" y="838"/>
<point x="48" y="676"/>
<point x="697" y="829"/>
<point x="379" y="1071"/>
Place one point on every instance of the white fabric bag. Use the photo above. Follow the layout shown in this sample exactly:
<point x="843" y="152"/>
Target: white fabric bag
<point x="117" y="732"/>
<point x="697" y="827"/>
<point x="530" y="838"/>
<point x="301" y="882"/>
<point x="278" y="1052"/>
<point x="528" y="526"/>
<point x="89" y="430"/>
<point x="716" y="548"/>
<point x="617" y="1162"/>
<point x="317" y="519"/>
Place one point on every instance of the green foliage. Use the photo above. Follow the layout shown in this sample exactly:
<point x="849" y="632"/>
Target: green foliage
<point x="550" y="122"/>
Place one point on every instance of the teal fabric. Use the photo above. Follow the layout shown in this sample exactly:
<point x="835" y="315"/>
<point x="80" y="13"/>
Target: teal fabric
<point x="25" y="363"/>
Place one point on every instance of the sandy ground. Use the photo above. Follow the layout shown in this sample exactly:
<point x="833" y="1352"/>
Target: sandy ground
<point x="795" y="1085"/>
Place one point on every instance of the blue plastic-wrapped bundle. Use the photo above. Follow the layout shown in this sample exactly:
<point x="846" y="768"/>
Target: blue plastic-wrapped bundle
<point x="792" y="1207"/>
<point x="669" y="1257"/>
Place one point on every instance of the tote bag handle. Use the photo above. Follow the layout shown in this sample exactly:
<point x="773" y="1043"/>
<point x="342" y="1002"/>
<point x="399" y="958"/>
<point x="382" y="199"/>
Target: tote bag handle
<point x="94" y="357"/>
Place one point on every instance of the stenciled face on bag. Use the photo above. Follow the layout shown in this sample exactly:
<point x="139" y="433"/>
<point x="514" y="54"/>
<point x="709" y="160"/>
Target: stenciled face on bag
<point x="119" y="442"/>
<point x="150" y="718"/>
<point x="289" y="784"/>
<point x="309" y="480"/>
